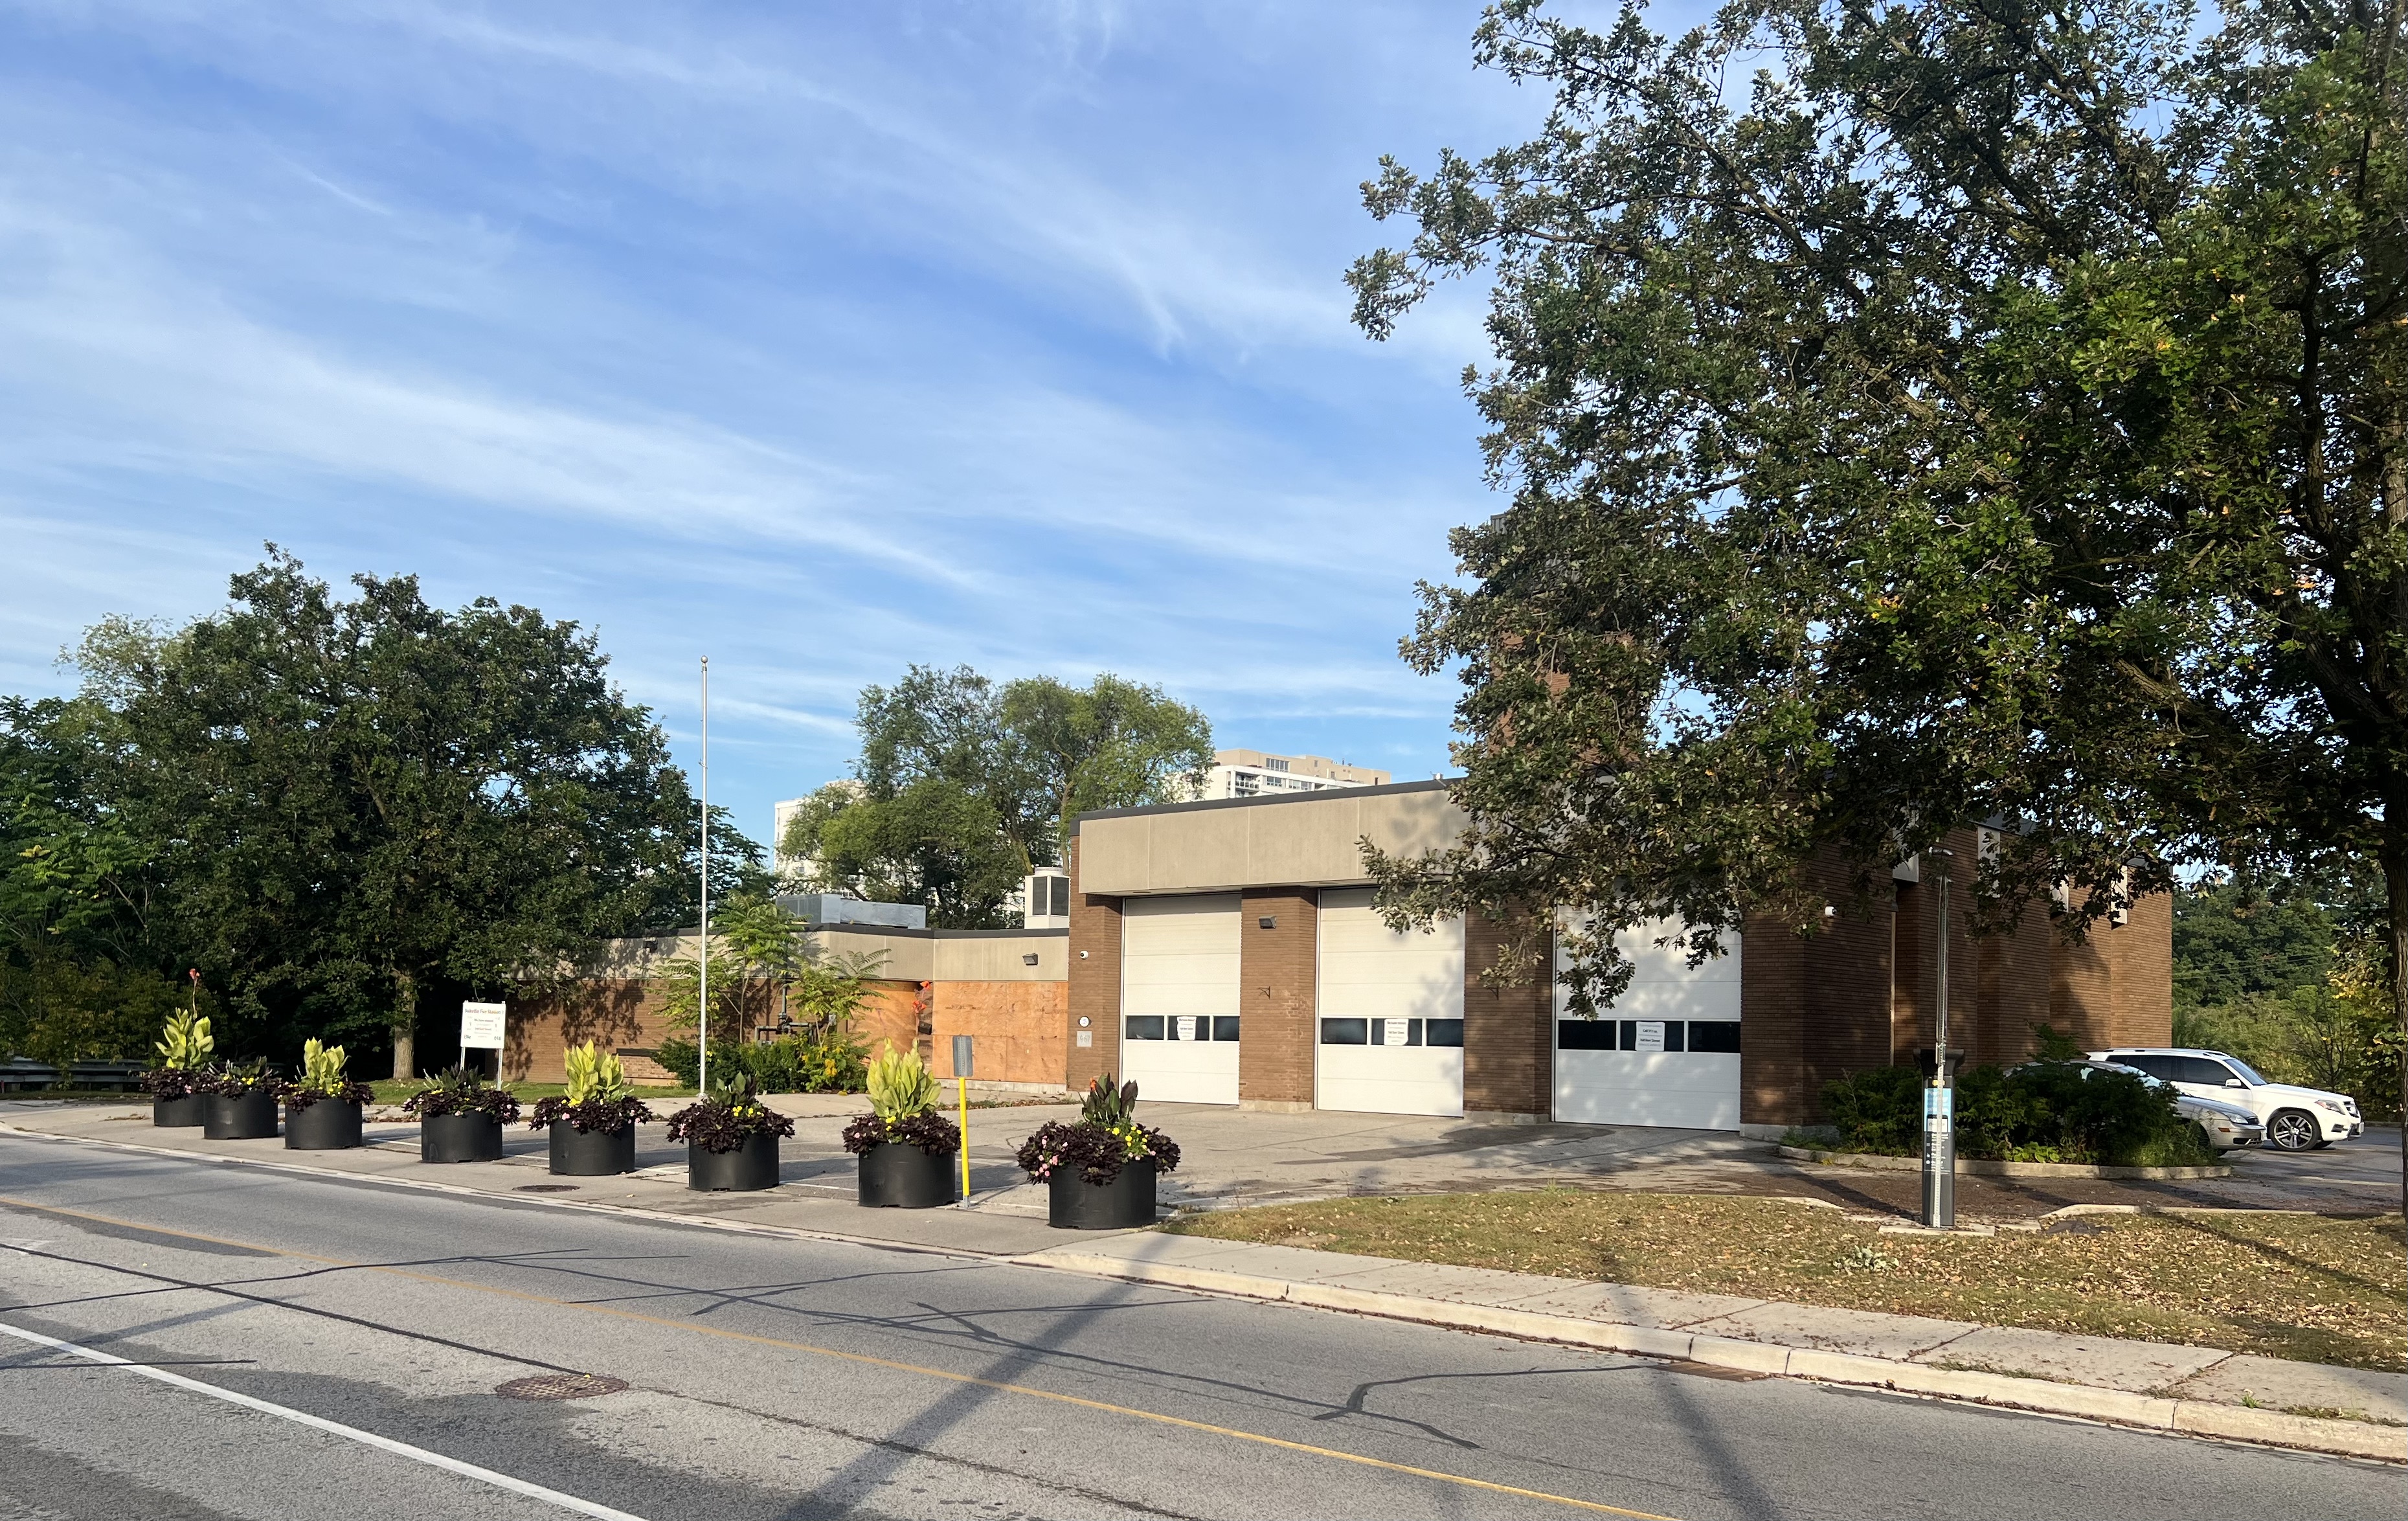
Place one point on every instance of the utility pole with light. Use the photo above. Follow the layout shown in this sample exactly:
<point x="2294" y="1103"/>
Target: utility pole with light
<point x="1939" y="1081"/>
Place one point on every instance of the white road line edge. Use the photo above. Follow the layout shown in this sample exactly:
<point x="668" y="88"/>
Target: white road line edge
<point x="400" y="1449"/>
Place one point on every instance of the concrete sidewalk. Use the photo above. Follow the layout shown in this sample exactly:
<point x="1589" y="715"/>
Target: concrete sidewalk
<point x="2200" y="1390"/>
<point x="2160" y="1386"/>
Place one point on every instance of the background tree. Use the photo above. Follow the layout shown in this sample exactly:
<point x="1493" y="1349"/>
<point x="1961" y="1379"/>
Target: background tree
<point x="1988" y="409"/>
<point x="357" y="801"/>
<point x="961" y="786"/>
<point x="83" y="975"/>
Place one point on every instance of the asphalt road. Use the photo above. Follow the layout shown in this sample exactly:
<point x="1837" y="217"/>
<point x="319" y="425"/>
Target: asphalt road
<point x="768" y="1377"/>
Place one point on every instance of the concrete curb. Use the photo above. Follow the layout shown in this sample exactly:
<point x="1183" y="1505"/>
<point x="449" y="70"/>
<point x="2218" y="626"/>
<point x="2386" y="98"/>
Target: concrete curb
<point x="2239" y="1423"/>
<point x="1872" y="1162"/>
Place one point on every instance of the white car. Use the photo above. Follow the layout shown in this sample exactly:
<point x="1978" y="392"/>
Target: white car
<point x="2295" y="1118"/>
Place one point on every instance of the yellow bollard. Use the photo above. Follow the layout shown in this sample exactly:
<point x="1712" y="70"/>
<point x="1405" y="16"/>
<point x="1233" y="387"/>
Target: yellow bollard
<point x="962" y="1088"/>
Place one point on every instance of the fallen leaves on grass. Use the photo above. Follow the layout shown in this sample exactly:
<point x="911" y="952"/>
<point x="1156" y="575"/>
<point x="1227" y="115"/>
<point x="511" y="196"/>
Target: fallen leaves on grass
<point x="2313" y="1288"/>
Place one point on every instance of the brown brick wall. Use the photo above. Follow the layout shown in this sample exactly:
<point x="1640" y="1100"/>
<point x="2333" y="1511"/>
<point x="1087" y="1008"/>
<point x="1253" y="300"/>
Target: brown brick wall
<point x="2117" y="988"/>
<point x="1277" y="974"/>
<point x="613" y="1013"/>
<point x="1508" y="1029"/>
<point x="2017" y="971"/>
<point x="1021" y="1029"/>
<point x="1772" y="1024"/>
<point x="1094" y="989"/>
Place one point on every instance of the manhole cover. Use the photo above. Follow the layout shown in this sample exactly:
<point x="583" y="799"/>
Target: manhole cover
<point x="560" y="1387"/>
<point x="545" y="1188"/>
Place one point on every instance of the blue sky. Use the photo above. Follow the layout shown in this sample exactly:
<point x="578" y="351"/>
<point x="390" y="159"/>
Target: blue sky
<point x="822" y="340"/>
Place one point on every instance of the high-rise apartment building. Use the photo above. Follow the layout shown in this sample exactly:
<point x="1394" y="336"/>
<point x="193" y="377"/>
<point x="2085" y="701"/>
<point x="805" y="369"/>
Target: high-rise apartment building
<point x="1255" y="773"/>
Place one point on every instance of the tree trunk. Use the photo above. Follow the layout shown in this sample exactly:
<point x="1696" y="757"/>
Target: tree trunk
<point x="405" y="1026"/>
<point x="2395" y="883"/>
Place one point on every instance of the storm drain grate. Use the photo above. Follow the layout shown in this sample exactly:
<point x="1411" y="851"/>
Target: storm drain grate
<point x="560" y="1387"/>
<point x="545" y="1188"/>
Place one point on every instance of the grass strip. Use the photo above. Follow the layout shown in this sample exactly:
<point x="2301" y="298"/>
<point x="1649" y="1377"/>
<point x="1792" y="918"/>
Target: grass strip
<point x="2308" y="1287"/>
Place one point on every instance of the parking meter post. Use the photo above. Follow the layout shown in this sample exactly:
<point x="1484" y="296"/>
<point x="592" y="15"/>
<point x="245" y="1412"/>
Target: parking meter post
<point x="1940" y="1083"/>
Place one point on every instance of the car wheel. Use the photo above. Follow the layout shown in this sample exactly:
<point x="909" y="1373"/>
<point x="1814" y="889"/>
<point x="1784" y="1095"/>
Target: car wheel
<point x="2292" y="1130"/>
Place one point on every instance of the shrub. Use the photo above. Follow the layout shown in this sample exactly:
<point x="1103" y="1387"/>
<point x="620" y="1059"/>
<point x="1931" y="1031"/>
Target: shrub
<point x="931" y="1131"/>
<point x="2043" y="1111"/>
<point x="598" y="1098"/>
<point x="321" y="1077"/>
<point x="789" y="1064"/>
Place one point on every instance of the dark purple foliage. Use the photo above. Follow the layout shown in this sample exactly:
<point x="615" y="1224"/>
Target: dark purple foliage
<point x="717" y="1126"/>
<point x="931" y="1132"/>
<point x="1096" y="1151"/>
<point x="608" y="1115"/>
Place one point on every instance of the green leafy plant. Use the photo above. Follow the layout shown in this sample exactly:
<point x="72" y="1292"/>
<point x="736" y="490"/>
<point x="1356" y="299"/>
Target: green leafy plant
<point x="186" y="1041"/>
<point x="900" y="1084"/>
<point x="598" y="1096"/>
<point x="236" y="1079"/>
<point x="902" y="1102"/>
<point x="321" y="1077"/>
<point x="595" y="1074"/>
<point x="2044" y="1111"/>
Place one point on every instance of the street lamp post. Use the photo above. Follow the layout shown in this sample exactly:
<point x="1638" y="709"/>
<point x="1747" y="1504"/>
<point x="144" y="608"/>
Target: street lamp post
<point x="1939" y="1085"/>
<point x="702" y="1013"/>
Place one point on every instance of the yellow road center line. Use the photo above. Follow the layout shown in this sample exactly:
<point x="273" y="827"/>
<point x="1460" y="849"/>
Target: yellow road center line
<point x="864" y="1360"/>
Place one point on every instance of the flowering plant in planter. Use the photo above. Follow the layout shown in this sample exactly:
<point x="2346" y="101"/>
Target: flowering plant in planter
<point x="230" y="1080"/>
<point x="1104" y="1139"/>
<point x="183" y="1046"/>
<point x="321" y="1077"/>
<point x="902" y="1109"/>
<point x="462" y="1090"/>
<point x="598" y="1098"/>
<point x="731" y="1115"/>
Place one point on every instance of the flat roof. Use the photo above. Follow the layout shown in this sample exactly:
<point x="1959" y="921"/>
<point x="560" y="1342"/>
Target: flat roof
<point x="1316" y="794"/>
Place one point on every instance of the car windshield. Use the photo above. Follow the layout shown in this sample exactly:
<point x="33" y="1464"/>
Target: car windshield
<point x="2248" y="1074"/>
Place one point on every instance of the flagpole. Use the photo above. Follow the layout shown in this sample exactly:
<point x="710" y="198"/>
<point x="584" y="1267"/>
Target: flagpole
<point x="702" y="1068"/>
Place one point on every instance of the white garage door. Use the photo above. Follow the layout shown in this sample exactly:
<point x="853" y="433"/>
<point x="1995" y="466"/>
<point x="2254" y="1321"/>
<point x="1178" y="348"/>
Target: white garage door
<point x="1666" y="1053"/>
<point x="1391" y="1012"/>
<point x="1178" y="998"/>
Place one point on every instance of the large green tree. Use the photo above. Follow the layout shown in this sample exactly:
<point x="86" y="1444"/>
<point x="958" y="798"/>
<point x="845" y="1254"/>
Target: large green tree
<point x="1918" y="413"/>
<point x="963" y="784"/>
<point x="353" y="801"/>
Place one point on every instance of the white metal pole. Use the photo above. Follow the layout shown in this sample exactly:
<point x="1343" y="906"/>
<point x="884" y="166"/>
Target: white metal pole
<point x="702" y="1029"/>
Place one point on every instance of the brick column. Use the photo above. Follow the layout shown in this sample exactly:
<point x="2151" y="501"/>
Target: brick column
<point x="1508" y="1029"/>
<point x="1094" y="986"/>
<point x="1772" y="1024"/>
<point x="1277" y="973"/>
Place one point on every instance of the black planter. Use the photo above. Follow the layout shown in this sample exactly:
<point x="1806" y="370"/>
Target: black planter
<point x="250" y="1116"/>
<point x="1127" y="1202"/>
<point x="326" y="1124"/>
<point x="176" y="1113"/>
<point x="460" y="1138"/>
<point x="591" y="1154"/>
<point x="896" y="1176"/>
<point x="749" y="1167"/>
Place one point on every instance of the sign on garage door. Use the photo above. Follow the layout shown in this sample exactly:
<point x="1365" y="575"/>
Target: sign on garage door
<point x="1666" y="1053"/>
<point x="1178" y="998"/>
<point x="1391" y="1012"/>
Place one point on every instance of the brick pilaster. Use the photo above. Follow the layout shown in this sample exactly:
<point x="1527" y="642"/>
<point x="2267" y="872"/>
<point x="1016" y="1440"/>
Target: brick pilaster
<point x="1508" y="1028"/>
<point x="1095" y="985"/>
<point x="1277" y="976"/>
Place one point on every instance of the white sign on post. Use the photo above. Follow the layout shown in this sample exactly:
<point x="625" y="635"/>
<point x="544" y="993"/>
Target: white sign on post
<point x="482" y="1025"/>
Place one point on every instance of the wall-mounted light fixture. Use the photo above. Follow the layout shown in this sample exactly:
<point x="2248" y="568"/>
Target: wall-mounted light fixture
<point x="1028" y="958"/>
<point x="1270" y="921"/>
<point x="1082" y="955"/>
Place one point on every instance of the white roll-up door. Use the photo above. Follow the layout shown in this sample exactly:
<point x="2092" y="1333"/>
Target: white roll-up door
<point x="1390" y="1012"/>
<point x="1178" y="998"/>
<point x="1666" y="1053"/>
